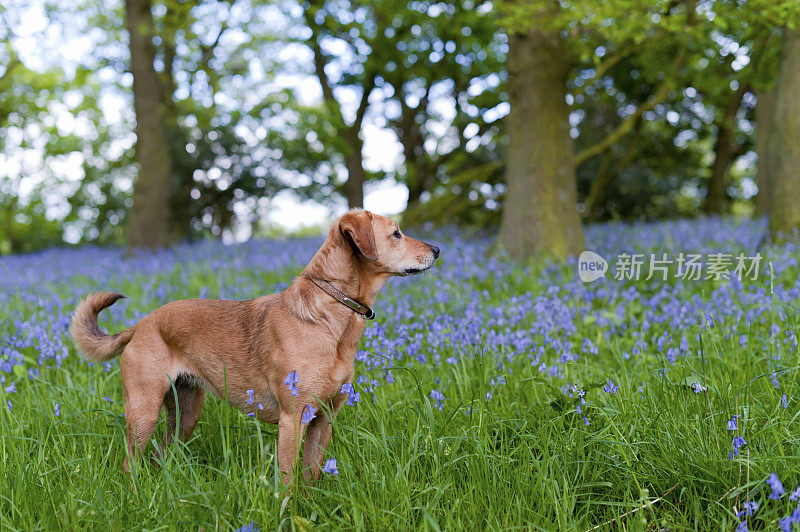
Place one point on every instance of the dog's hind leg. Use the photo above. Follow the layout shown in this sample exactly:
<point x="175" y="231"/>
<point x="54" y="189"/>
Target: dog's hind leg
<point x="144" y="388"/>
<point x="187" y="413"/>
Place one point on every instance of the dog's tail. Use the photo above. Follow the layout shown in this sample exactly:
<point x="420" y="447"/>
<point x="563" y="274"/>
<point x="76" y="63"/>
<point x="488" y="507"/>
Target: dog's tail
<point x="94" y="343"/>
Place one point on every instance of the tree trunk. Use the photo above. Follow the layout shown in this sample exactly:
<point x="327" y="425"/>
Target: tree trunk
<point x="354" y="161"/>
<point x="149" y="219"/>
<point x="723" y="148"/>
<point x="765" y="165"/>
<point x="784" y="197"/>
<point x="540" y="215"/>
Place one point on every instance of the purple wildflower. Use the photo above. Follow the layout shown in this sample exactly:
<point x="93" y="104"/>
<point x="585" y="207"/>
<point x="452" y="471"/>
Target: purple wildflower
<point x="611" y="387"/>
<point x="732" y="423"/>
<point x="250" y="393"/>
<point x="291" y="382"/>
<point x="775" y="485"/>
<point x="309" y="413"/>
<point x="437" y="396"/>
<point x="12" y="388"/>
<point x="57" y="410"/>
<point x="330" y="467"/>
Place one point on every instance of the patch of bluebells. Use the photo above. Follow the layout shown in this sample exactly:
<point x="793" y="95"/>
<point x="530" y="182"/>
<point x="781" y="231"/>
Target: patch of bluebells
<point x="611" y="387"/>
<point x="484" y="314"/>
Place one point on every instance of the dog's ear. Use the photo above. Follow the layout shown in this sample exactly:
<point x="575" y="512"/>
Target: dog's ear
<point x="356" y="226"/>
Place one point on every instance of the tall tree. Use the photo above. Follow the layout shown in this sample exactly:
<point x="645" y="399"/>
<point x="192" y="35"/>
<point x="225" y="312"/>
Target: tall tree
<point x="784" y="196"/>
<point x="149" y="218"/>
<point x="540" y="213"/>
<point x="765" y="164"/>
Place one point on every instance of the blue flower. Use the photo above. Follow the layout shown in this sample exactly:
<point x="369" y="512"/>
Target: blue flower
<point x="108" y="399"/>
<point x="611" y="387"/>
<point x="291" y="382"/>
<point x="795" y="495"/>
<point x="249" y="527"/>
<point x="309" y="413"/>
<point x="738" y="442"/>
<point x="784" y="401"/>
<point x="732" y="423"/>
<point x="748" y="509"/>
<point x="57" y="410"/>
<point x="12" y="388"/>
<point x="330" y="467"/>
<point x="437" y="396"/>
<point x="775" y="485"/>
<point x="250" y="414"/>
<point x="249" y="394"/>
<point x="353" y="396"/>
<point x="742" y="527"/>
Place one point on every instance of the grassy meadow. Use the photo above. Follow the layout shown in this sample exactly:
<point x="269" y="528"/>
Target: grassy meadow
<point x="492" y="395"/>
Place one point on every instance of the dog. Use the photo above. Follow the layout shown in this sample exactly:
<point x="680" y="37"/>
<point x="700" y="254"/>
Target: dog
<point x="280" y="357"/>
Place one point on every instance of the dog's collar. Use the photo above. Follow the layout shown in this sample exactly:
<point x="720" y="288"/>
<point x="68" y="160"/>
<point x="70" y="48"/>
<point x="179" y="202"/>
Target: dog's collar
<point x="353" y="304"/>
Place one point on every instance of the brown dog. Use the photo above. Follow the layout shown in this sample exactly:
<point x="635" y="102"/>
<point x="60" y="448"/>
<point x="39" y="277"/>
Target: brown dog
<point x="244" y="350"/>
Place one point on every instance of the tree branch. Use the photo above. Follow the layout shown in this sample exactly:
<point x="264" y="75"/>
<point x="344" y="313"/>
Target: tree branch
<point x="627" y="125"/>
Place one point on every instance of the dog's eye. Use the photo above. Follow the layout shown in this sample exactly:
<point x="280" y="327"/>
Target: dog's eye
<point x="396" y="234"/>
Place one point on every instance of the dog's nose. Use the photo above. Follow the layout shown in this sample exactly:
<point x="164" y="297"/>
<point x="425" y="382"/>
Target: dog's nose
<point x="435" y="251"/>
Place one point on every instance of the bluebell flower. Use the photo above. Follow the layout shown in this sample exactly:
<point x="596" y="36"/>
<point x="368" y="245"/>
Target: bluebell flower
<point x="742" y="527"/>
<point x="697" y="387"/>
<point x="353" y="396"/>
<point x="437" y="396"/>
<point x="738" y="442"/>
<point x="12" y="388"/>
<point x="489" y="395"/>
<point x="784" y="401"/>
<point x="108" y="399"/>
<point x="249" y="527"/>
<point x="795" y="495"/>
<point x="9" y="404"/>
<point x="330" y="467"/>
<point x="250" y="414"/>
<point x="732" y="423"/>
<point x="309" y="413"/>
<point x="250" y="393"/>
<point x="611" y="387"/>
<point x="775" y="485"/>
<point x="748" y="509"/>
<point x="57" y="410"/>
<point x="785" y="523"/>
<point x="291" y="382"/>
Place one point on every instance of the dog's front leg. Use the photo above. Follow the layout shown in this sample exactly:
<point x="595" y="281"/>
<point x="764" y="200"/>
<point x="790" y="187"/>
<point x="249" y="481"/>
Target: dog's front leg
<point x="290" y="437"/>
<point x="317" y="440"/>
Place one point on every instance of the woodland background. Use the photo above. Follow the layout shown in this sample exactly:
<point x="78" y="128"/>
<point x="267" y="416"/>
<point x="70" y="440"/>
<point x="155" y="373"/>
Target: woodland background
<point x="149" y="122"/>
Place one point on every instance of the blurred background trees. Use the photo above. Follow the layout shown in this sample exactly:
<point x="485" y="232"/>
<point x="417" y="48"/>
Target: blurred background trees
<point x="149" y="122"/>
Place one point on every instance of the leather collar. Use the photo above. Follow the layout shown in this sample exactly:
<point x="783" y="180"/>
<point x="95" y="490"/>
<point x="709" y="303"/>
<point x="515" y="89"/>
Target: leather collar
<point x="353" y="304"/>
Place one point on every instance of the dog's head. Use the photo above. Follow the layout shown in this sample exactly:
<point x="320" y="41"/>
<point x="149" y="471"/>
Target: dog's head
<point x="383" y="247"/>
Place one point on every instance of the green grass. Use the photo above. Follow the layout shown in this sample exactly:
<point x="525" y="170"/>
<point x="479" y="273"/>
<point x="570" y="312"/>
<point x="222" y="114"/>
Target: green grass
<point x="523" y="460"/>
